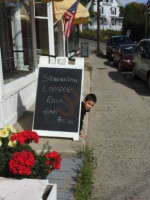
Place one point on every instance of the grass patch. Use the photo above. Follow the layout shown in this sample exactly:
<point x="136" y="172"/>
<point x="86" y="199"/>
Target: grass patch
<point x="84" y="185"/>
<point x="88" y="67"/>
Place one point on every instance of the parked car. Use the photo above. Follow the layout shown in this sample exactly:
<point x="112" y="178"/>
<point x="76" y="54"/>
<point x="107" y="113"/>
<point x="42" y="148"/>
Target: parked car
<point x="114" y="42"/>
<point x="123" y="56"/>
<point x="141" y="61"/>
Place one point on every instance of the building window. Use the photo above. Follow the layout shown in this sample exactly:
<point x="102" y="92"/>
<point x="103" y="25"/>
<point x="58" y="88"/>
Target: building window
<point x="15" y="39"/>
<point x="104" y="22"/>
<point x="73" y="40"/>
<point x="41" y="22"/>
<point x="102" y="10"/>
<point x="120" y="22"/>
<point x="107" y="1"/>
<point x="113" y="10"/>
<point x="113" y="22"/>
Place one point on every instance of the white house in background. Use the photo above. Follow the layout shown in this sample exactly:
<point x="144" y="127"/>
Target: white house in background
<point x="109" y="15"/>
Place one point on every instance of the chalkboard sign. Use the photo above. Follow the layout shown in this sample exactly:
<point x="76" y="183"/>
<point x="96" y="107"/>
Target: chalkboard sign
<point x="85" y="50"/>
<point x="58" y="100"/>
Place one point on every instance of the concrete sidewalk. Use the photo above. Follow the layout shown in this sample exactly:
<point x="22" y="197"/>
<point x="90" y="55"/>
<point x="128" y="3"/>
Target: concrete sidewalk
<point x="66" y="178"/>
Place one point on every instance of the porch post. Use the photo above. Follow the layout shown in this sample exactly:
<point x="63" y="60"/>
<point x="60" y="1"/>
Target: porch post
<point x="61" y="39"/>
<point x="51" y="30"/>
<point x="33" y="30"/>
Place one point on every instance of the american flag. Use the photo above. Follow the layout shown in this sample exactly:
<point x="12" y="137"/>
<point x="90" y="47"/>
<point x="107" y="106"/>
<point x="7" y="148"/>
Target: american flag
<point x="69" y="18"/>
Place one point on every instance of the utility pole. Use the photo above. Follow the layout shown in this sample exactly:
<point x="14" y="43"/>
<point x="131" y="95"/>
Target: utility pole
<point x="98" y="26"/>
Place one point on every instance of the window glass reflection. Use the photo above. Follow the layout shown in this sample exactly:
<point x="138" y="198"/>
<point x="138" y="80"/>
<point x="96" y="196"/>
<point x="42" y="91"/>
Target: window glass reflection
<point x="15" y="39"/>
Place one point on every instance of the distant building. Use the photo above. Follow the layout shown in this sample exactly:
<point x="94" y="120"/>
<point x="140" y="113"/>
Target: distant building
<point x="109" y="15"/>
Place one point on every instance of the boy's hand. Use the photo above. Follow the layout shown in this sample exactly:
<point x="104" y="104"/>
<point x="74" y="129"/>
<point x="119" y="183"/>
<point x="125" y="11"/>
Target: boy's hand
<point x="82" y="135"/>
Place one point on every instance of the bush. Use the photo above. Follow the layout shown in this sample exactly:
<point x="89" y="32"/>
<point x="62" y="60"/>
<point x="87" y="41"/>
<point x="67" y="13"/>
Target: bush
<point x="19" y="160"/>
<point x="104" y="34"/>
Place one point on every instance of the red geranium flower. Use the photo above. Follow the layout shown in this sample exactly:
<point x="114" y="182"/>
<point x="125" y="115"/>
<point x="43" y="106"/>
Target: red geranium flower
<point x="26" y="136"/>
<point x="53" y="159"/>
<point x="21" y="163"/>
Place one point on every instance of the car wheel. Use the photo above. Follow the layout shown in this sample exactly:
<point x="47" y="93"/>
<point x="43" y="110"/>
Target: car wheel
<point x="111" y="58"/>
<point x="133" y="73"/>
<point x="107" y="55"/>
<point x="115" y="64"/>
<point x="148" y="82"/>
<point x="119" y="66"/>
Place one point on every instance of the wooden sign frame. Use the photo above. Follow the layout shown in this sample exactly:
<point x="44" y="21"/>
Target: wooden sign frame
<point x="79" y="64"/>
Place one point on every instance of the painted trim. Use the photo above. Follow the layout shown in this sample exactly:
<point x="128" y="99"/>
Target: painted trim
<point x="1" y="79"/>
<point x="51" y="29"/>
<point x="33" y="30"/>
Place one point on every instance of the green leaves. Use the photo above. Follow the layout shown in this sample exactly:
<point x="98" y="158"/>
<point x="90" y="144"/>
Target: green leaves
<point x="134" y="20"/>
<point x="83" y="188"/>
<point x="19" y="160"/>
<point x="84" y="2"/>
<point x="104" y="34"/>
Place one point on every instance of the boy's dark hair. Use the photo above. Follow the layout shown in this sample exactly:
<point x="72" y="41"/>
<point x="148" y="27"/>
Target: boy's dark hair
<point x="91" y="97"/>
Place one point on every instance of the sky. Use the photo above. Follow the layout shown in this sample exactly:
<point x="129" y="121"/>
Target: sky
<point x="138" y="1"/>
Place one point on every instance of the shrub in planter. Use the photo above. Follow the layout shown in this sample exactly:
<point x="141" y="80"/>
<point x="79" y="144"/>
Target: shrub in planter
<point x="19" y="160"/>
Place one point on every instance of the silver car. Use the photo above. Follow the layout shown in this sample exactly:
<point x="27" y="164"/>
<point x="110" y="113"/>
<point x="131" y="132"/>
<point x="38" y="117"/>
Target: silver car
<point x="141" y="67"/>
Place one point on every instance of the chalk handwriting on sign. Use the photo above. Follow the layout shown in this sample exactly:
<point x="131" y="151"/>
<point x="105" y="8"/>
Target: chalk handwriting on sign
<point x="47" y="89"/>
<point x="58" y="99"/>
<point x="49" y="78"/>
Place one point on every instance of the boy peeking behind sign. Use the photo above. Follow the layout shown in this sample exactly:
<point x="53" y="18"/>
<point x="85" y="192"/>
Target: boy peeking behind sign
<point x="87" y="104"/>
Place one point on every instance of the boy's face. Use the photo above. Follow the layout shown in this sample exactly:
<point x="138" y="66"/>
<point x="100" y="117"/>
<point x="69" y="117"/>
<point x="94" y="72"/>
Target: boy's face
<point x="88" y="104"/>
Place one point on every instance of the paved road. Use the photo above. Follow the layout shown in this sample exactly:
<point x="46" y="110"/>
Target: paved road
<point x="119" y="131"/>
<point x="139" y="86"/>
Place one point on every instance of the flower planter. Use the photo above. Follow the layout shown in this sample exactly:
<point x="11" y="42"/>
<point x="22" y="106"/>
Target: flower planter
<point x="35" y="189"/>
<point x="19" y="160"/>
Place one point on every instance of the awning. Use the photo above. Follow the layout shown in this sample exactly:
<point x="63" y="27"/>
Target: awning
<point x="47" y="1"/>
<point x="82" y="14"/>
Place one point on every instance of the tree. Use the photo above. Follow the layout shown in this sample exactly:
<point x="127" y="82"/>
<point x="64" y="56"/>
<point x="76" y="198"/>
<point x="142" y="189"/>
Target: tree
<point x="134" y="20"/>
<point x="84" y="2"/>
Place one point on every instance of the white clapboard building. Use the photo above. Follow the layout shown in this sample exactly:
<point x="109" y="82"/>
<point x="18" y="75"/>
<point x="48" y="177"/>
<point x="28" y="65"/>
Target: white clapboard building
<point x="28" y="36"/>
<point x="109" y="15"/>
